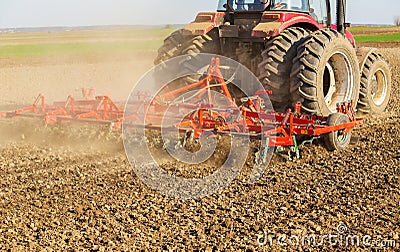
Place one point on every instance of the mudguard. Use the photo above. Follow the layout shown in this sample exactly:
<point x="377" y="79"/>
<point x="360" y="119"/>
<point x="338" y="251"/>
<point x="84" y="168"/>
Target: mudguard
<point x="204" y="22"/>
<point x="273" y="23"/>
<point x="349" y="36"/>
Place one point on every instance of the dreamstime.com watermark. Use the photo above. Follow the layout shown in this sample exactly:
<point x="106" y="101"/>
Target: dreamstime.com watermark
<point x="342" y="239"/>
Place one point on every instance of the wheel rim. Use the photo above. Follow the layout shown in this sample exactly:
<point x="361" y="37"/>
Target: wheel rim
<point x="379" y="87"/>
<point x="329" y="83"/>
<point x="341" y="137"/>
<point x="338" y="82"/>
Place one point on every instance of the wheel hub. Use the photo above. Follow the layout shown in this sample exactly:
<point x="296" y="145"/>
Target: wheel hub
<point x="342" y="137"/>
<point x="338" y="81"/>
<point x="379" y="87"/>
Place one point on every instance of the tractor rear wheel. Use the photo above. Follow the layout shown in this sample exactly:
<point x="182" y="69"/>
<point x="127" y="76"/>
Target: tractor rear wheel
<point x="325" y="72"/>
<point x="375" y="85"/>
<point x="337" y="140"/>
<point x="277" y="64"/>
<point x="176" y="45"/>
<point x="193" y="47"/>
<point x="179" y="74"/>
<point x="171" y="48"/>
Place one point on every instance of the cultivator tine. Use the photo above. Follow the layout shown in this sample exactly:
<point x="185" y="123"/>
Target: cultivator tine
<point x="188" y="138"/>
<point x="251" y="119"/>
<point x="261" y="155"/>
<point x="294" y="152"/>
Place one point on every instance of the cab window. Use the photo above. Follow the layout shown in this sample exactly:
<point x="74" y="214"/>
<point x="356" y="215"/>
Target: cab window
<point x="318" y="11"/>
<point x="248" y="5"/>
<point x="295" y="5"/>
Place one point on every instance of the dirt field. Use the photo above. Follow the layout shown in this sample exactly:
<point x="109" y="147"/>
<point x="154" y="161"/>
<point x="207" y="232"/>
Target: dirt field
<point x="68" y="189"/>
<point x="57" y="78"/>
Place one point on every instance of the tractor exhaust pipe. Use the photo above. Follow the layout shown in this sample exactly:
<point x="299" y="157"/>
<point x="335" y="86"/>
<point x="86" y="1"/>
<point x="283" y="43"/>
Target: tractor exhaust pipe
<point x="341" y="16"/>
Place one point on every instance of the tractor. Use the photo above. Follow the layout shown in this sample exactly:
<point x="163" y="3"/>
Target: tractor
<point x="293" y="48"/>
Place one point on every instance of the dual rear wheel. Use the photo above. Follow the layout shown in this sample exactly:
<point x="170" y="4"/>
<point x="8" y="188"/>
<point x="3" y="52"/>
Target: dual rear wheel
<point x="375" y="84"/>
<point x="319" y="69"/>
<point x="326" y="71"/>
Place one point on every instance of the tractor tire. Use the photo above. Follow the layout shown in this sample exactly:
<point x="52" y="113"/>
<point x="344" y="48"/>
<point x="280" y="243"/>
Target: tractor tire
<point x="375" y="85"/>
<point x="325" y="72"/>
<point x="176" y="45"/>
<point x="199" y="44"/>
<point x="171" y="48"/>
<point x="336" y="140"/>
<point x="277" y="62"/>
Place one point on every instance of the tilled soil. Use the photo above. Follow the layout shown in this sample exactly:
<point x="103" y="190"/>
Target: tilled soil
<point x="74" y="190"/>
<point x="381" y="30"/>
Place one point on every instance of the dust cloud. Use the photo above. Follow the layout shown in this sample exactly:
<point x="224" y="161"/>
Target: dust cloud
<point x="57" y="76"/>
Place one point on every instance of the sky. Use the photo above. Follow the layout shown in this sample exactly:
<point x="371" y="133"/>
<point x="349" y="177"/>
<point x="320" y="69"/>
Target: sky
<point x="42" y="13"/>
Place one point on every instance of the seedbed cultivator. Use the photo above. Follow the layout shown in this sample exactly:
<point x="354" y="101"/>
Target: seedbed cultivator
<point x="91" y="109"/>
<point x="252" y="119"/>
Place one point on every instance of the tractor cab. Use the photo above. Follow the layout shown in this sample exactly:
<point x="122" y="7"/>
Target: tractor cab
<point x="317" y="9"/>
<point x="263" y="5"/>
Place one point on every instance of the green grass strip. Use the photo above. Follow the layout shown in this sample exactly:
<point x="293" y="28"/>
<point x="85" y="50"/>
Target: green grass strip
<point x="385" y="37"/>
<point x="32" y="50"/>
<point x="90" y="34"/>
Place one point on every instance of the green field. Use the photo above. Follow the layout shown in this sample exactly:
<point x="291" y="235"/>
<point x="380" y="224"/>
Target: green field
<point x="20" y="45"/>
<point x="99" y="33"/>
<point x="77" y="48"/>
<point x="81" y="43"/>
<point x="389" y="37"/>
<point x="376" y="34"/>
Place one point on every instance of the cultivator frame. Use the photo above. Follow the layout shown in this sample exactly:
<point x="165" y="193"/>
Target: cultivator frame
<point x="253" y="120"/>
<point x="96" y="110"/>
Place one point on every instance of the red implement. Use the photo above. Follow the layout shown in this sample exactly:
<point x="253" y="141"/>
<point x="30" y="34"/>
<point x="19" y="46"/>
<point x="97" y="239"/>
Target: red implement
<point x="252" y="118"/>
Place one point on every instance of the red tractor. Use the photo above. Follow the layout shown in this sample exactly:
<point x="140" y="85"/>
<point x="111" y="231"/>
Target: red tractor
<point x="294" y="49"/>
